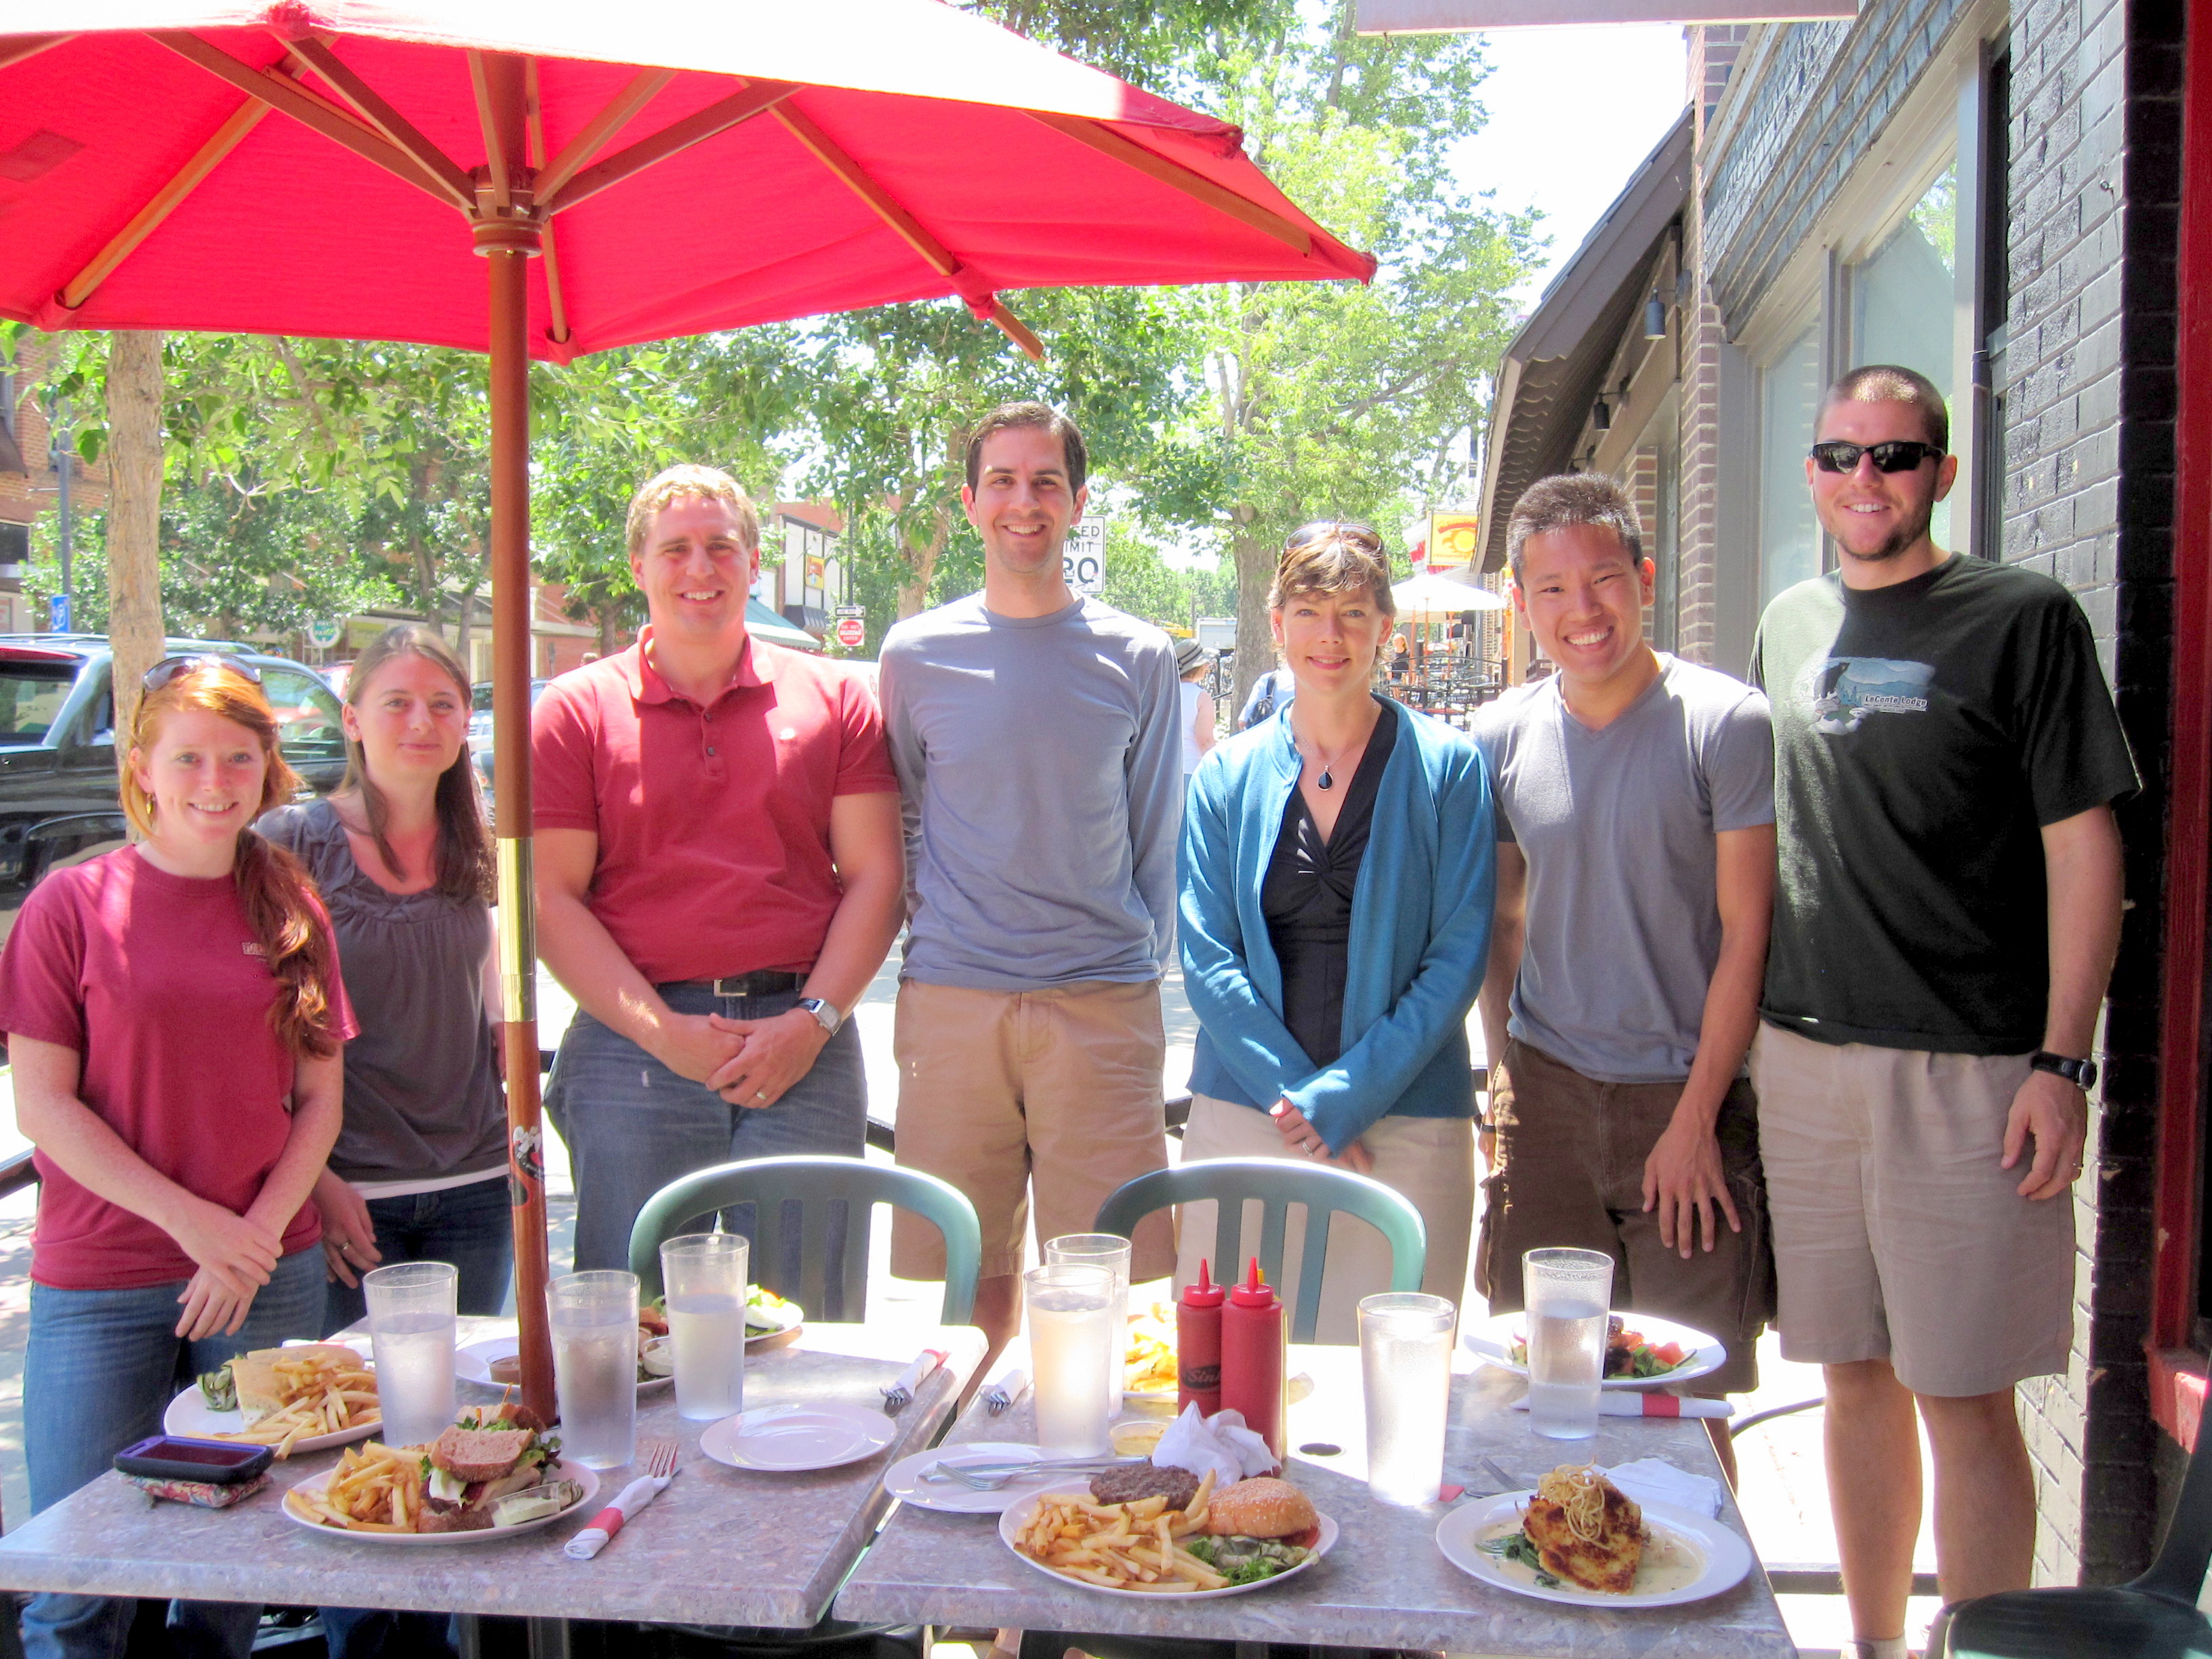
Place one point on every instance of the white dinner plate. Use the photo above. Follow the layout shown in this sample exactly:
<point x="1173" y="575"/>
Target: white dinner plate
<point x="190" y="1416"/>
<point x="1723" y="1557"/>
<point x="904" y="1481"/>
<point x="1491" y="1340"/>
<point x="1016" y="1517"/>
<point x="790" y="1438"/>
<point x="558" y="1470"/>
<point x="472" y="1361"/>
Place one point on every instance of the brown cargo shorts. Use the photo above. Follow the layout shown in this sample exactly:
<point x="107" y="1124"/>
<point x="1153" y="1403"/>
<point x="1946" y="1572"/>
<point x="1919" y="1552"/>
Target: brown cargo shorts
<point x="1003" y="1092"/>
<point x="1570" y="1154"/>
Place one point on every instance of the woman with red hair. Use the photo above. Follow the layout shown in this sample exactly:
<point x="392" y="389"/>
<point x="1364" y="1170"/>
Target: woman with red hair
<point x="175" y="1021"/>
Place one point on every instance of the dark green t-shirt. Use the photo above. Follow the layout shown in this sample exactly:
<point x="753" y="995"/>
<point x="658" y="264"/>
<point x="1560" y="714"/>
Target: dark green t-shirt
<point x="1924" y="734"/>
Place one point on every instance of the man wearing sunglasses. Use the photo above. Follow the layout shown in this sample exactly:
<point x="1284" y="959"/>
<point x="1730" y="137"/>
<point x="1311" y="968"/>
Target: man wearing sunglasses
<point x="1945" y="921"/>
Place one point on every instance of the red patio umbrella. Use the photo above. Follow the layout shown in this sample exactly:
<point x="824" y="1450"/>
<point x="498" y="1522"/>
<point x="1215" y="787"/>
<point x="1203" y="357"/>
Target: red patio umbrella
<point x="628" y="173"/>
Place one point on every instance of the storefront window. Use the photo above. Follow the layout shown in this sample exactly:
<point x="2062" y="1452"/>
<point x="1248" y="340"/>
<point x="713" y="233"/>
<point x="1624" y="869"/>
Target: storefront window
<point x="1789" y="534"/>
<point x="1904" y="301"/>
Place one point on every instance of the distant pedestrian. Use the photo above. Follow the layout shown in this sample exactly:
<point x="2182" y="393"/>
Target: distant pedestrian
<point x="1271" y="692"/>
<point x="1194" y="663"/>
<point x="1337" y="883"/>
<point x="1947" y="759"/>
<point x="1635" y="886"/>
<point x="1036" y="734"/>
<point x="718" y="876"/>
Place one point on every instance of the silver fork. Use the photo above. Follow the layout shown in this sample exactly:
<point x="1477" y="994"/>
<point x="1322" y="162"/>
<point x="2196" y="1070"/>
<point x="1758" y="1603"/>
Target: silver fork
<point x="659" y="1457"/>
<point x="990" y="1477"/>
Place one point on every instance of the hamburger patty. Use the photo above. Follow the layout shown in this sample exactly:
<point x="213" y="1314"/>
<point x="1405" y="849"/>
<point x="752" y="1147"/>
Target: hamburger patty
<point x="1134" y="1480"/>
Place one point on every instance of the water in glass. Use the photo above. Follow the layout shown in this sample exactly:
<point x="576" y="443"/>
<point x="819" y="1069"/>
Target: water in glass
<point x="414" y="1375"/>
<point x="1070" y="1323"/>
<point x="1110" y="1251"/>
<point x="1567" y="1357"/>
<point x="1405" y="1365"/>
<point x="709" y="1333"/>
<point x="595" y="1380"/>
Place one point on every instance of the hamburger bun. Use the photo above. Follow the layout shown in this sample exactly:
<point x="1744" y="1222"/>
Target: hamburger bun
<point x="1260" y="1508"/>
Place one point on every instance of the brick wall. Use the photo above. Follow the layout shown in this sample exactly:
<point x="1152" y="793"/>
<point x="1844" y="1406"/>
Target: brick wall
<point x="24" y="496"/>
<point x="1714" y="52"/>
<point x="2088" y="490"/>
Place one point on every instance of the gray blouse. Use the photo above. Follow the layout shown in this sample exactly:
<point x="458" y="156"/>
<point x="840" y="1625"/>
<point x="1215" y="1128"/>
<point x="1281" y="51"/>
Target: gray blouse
<point x="422" y="1097"/>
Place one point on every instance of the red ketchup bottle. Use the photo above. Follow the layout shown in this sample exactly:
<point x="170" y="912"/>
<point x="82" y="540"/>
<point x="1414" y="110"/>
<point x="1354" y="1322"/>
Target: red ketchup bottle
<point x="1253" y="1349"/>
<point x="1198" y="1345"/>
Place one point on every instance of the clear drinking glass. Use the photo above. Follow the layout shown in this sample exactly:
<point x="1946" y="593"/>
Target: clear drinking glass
<point x="1405" y="1372"/>
<point x="1108" y="1250"/>
<point x="410" y="1330"/>
<point x="704" y="1276"/>
<point x="1071" y="1313"/>
<point x="595" y="1320"/>
<point x="1566" y="1293"/>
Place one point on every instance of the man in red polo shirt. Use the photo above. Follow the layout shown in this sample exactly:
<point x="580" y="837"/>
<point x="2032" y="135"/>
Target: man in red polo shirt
<point x="719" y="875"/>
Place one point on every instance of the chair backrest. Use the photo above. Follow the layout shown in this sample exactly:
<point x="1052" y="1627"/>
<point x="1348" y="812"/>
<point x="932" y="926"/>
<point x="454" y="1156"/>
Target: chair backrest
<point x="2176" y="1572"/>
<point x="1277" y="1183"/>
<point x="817" y="1186"/>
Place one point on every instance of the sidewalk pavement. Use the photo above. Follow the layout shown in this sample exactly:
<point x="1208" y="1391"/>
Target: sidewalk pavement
<point x="1783" y="1484"/>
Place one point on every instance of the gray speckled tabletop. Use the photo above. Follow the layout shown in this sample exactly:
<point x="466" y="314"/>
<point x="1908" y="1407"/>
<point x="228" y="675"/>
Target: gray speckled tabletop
<point x="720" y="1546"/>
<point x="1385" y="1584"/>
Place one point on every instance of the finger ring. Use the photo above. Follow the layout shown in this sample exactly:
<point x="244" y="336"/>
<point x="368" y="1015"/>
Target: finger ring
<point x="344" y="1249"/>
<point x="763" y="1094"/>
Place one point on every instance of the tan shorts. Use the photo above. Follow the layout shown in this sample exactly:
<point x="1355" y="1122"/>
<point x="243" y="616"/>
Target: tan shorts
<point x="1897" y="1235"/>
<point x="1429" y="1159"/>
<point x="1571" y="1156"/>
<point x="1001" y="1090"/>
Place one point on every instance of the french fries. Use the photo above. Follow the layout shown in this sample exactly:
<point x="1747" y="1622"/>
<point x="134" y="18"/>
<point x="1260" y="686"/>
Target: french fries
<point x="1149" y="1364"/>
<point x="1123" y="1546"/>
<point x="322" y="1395"/>
<point x="374" y="1488"/>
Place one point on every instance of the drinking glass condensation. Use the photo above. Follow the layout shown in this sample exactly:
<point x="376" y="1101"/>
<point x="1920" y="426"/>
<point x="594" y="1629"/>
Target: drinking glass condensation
<point x="410" y="1330"/>
<point x="1071" y="1320"/>
<point x="704" y="1275"/>
<point x="1566" y="1294"/>
<point x="1108" y="1250"/>
<point x="1405" y="1373"/>
<point x="595" y="1320"/>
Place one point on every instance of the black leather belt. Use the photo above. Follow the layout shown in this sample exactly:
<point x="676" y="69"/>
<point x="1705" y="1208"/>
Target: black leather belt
<point x="768" y="982"/>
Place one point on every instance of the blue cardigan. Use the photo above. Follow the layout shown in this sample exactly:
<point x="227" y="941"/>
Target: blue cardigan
<point x="1420" y="931"/>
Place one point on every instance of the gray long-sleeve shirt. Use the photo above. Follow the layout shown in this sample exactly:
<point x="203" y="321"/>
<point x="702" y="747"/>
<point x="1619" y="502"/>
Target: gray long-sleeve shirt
<point x="1042" y="769"/>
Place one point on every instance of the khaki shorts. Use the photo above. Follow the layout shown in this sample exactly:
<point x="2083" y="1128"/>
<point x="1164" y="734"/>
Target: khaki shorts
<point x="1429" y="1159"/>
<point x="1897" y="1235"/>
<point x="1001" y="1090"/>
<point x="1571" y="1156"/>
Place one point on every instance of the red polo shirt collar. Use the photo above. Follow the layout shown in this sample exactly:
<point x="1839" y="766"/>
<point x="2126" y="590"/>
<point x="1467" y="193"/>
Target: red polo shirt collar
<point x="647" y="685"/>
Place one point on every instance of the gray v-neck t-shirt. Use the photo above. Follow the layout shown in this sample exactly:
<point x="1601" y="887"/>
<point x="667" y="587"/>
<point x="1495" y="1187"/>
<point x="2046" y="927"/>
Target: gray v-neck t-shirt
<point x="1617" y="827"/>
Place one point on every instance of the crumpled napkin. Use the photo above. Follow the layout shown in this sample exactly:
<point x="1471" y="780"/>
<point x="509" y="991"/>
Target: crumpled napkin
<point x="1648" y="1480"/>
<point x="1220" y="1443"/>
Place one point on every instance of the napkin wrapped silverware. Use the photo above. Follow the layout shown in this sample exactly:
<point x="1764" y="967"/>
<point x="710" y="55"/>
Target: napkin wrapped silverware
<point x="1626" y="1402"/>
<point x="1003" y="1392"/>
<point x="898" y="1394"/>
<point x="659" y="1470"/>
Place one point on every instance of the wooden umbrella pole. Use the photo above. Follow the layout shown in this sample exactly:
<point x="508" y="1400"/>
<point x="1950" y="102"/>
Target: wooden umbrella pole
<point x="518" y="910"/>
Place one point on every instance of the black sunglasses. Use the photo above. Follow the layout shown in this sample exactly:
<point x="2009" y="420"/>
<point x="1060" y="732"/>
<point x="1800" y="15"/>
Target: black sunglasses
<point x="169" y="667"/>
<point x="1898" y="455"/>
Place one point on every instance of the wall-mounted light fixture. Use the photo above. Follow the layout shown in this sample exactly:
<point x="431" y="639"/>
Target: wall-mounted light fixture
<point x="1655" y="317"/>
<point x="1601" y="416"/>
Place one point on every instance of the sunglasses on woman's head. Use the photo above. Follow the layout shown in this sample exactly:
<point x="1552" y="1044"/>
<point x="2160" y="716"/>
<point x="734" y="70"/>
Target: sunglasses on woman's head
<point x="1326" y="529"/>
<point x="1898" y="455"/>
<point x="169" y="667"/>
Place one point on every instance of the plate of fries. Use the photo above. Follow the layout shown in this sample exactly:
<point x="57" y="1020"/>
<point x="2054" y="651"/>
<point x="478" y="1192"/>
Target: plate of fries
<point x="1128" y="1549"/>
<point x="330" y="1403"/>
<point x="1149" y="1369"/>
<point x="376" y="1494"/>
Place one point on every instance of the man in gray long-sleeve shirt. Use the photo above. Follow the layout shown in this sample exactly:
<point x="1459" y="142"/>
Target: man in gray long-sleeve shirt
<point x="1035" y="735"/>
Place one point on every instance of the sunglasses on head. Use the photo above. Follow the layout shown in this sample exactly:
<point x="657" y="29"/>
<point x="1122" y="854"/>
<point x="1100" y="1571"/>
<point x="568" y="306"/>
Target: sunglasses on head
<point x="1898" y="455"/>
<point x="170" y="667"/>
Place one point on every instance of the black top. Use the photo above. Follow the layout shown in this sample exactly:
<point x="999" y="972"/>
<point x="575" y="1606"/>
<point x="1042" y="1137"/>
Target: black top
<point x="1306" y="896"/>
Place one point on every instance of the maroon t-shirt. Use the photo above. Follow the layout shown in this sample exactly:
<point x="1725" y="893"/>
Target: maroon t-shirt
<point x="158" y="981"/>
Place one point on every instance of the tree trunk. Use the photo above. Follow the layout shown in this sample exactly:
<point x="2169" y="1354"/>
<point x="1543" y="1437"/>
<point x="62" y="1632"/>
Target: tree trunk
<point x="605" y="618"/>
<point x="921" y="563"/>
<point x="134" y="518"/>
<point x="1255" y="639"/>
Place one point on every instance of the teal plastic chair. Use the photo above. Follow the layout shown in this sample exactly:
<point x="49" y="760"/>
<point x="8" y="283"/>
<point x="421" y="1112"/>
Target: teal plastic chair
<point x="816" y="1185"/>
<point x="1279" y="1183"/>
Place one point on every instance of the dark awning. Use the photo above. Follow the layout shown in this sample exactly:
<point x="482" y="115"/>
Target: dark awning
<point x="1552" y="370"/>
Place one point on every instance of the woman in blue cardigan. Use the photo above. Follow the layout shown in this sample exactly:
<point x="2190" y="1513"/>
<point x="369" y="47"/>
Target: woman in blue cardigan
<point x="1337" y="869"/>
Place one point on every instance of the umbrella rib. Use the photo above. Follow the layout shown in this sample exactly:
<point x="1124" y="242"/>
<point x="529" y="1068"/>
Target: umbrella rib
<point x="371" y="107"/>
<point x="495" y="141"/>
<point x="30" y="46"/>
<point x="533" y="117"/>
<point x="1220" y="197"/>
<point x="697" y="128"/>
<point x="643" y="87"/>
<point x="311" y="110"/>
<point x="164" y="202"/>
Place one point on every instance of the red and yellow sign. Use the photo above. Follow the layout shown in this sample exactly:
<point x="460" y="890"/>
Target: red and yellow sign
<point x="1453" y="540"/>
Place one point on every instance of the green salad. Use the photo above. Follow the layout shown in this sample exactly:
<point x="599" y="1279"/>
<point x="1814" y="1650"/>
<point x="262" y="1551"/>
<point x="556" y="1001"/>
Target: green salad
<point x="1247" y="1560"/>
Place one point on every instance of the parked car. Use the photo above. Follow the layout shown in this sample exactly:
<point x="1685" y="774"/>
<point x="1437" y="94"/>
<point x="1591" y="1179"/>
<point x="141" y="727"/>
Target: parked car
<point x="60" y="801"/>
<point x="480" y="729"/>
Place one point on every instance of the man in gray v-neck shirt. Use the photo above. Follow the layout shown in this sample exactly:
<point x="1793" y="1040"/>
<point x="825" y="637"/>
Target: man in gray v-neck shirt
<point x="1036" y="738"/>
<point x="1635" y="882"/>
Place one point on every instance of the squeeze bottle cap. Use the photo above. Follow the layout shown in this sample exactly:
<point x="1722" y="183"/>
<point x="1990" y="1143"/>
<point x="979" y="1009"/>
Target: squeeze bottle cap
<point x="1204" y="1294"/>
<point x="1254" y="1292"/>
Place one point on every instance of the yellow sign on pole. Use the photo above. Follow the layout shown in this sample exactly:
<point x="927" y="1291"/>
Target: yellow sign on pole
<point x="1453" y="540"/>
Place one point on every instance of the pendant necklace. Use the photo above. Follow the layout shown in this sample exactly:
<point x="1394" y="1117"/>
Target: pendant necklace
<point x="1326" y="780"/>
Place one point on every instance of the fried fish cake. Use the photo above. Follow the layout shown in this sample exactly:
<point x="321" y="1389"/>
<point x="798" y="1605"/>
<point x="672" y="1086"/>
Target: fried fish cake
<point x="1608" y="1564"/>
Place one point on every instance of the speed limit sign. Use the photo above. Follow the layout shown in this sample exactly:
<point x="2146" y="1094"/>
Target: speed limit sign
<point x="1082" y="556"/>
<point x="851" y="631"/>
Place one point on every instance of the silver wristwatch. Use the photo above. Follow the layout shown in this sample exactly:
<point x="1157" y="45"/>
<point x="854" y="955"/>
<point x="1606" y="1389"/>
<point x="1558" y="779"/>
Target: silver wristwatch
<point x="826" y="1012"/>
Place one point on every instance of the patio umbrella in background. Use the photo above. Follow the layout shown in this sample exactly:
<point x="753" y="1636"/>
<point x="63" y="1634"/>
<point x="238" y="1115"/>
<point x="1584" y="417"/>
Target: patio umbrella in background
<point x="1427" y="595"/>
<point x="627" y="172"/>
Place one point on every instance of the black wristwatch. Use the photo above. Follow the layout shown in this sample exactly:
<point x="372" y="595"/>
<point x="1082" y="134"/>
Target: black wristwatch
<point x="2081" y="1073"/>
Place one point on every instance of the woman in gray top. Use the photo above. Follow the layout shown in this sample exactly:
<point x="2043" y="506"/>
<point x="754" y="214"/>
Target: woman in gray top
<point x="402" y="856"/>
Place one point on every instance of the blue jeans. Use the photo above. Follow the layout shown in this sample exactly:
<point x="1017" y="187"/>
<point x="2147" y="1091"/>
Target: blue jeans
<point x="100" y="1369"/>
<point x="632" y="1126"/>
<point x="471" y="1227"/>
